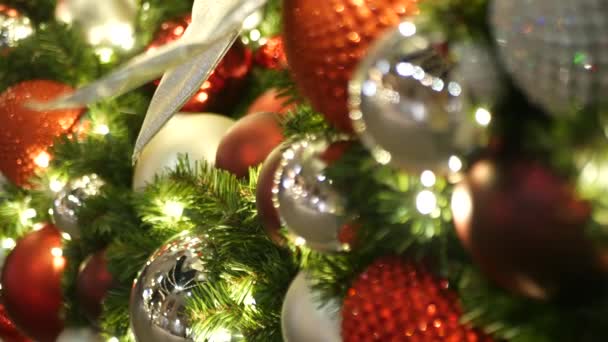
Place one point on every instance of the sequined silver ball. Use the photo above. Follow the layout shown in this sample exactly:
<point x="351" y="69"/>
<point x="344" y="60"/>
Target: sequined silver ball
<point x="160" y="292"/>
<point x="308" y="205"/>
<point x="411" y="99"/>
<point x="70" y="199"/>
<point x="556" y="51"/>
<point x="13" y="27"/>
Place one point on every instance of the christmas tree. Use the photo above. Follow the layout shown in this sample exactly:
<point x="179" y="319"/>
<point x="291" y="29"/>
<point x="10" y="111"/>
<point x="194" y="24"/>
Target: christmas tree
<point x="303" y="170"/>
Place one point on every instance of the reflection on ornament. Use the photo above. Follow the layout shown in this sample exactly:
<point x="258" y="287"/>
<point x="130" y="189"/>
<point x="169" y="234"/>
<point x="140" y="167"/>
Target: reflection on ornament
<point x="31" y="278"/>
<point x="70" y="199"/>
<point x="575" y="74"/>
<point x="414" y="86"/>
<point x="195" y="135"/>
<point x="159" y="295"/>
<point x="308" y="204"/>
<point x="108" y="22"/>
<point x="26" y="135"/>
<point x="13" y="27"/>
<point x="224" y="83"/>
<point x="302" y="317"/>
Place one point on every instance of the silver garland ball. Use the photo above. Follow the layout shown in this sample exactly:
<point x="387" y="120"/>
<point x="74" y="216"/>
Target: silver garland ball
<point x="160" y="292"/>
<point x="415" y="98"/>
<point x="304" y="318"/>
<point x="307" y="203"/>
<point x="556" y="51"/>
<point x="70" y="199"/>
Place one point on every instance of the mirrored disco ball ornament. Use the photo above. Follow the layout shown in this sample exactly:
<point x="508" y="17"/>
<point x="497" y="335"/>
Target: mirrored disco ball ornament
<point x="306" y="201"/>
<point x="556" y="51"/>
<point x="71" y="198"/>
<point x="414" y="99"/>
<point x="159" y="295"/>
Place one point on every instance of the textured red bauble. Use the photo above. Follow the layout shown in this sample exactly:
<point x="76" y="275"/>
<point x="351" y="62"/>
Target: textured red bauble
<point x="248" y="143"/>
<point x="31" y="283"/>
<point x="525" y="228"/>
<point x="263" y="197"/>
<point x="26" y="135"/>
<point x="271" y="102"/>
<point x="326" y="39"/>
<point x="395" y="300"/>
<point x="8" y="330"/>
<point x="225" y="82"/>
<point x="93" y="283"/>
<point x="271" y="55"/>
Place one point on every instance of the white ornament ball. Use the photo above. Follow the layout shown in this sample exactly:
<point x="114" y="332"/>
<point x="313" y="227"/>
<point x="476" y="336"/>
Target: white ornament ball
<point x="108" y="22"/>
<point x="79" y="335"/>
<point x="195" y="135"/>
<point x="556" y="51"/>
<point x="302" y="317"/>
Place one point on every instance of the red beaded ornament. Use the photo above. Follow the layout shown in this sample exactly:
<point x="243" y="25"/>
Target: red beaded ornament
<point x="271" y="55"/>
<point x="398" y="301"/>
<point x="326" y="39"/>
<point x="225" y="82"/>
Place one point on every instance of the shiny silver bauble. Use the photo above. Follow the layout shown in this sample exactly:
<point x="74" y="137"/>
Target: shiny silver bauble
<point x="70" y="199"/>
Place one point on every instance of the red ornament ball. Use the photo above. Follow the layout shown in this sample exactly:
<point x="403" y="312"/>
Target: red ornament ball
<point x="326" y="39"/>
<point x="225" y="82"/>
<point x="93" y="283"/>
<point x="8" y="330"/>
<point x="398" y="301"/>
<point x="263" y="197"/>
<point x="271" y="102"/>
<point x="31" y="283"/>
<point x="248" y="143"/>
<point x="26" y="135"/>
<point x="271" y="55"/>
<point x="525" y="228"/>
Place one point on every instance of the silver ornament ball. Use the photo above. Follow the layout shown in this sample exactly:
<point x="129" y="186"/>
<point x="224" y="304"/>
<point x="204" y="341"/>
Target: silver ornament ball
<point x="13" y="27"/>
<point x="411" y="98"/>
<point x="307" y="203"/>
<point x="304" y="318"/>
<point x="160" y="292"/>
<point x="71" y="198"/>
<point x="556" y="51"/>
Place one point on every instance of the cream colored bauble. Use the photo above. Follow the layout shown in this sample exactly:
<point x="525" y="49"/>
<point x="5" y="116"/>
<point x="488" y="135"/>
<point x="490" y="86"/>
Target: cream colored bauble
<point x="107" y="22"/>
<point x="303" y="319"/>
<point x="194" y="135"/>
<point x="79" y="335"/>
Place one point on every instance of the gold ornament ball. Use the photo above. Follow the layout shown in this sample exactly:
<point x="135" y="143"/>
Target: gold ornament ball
<point x="326" y="39"/>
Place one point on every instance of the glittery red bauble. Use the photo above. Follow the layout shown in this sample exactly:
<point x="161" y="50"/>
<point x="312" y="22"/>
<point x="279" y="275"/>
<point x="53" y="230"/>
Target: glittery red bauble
<point x="26" y="135"/>
<point x="397" y="301"/>
<point x="224" y="84"/>
<point x="271" y="102"/>
<point x="263" y="197"/>
<point x="8" y="330"/>
<point x="93" y="283"/>
<point x="271" y="55"/>
<point x="326" y="39"/>
<point x="525" y="228"/>
<point x="31" y="283"/>
<point x="248" y="143"/>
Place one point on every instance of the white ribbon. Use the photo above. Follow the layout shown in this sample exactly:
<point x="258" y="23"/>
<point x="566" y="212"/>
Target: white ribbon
<point x="185" y="63"/>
